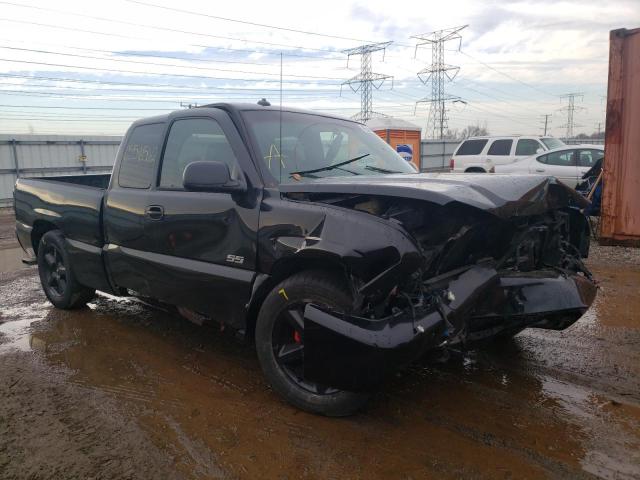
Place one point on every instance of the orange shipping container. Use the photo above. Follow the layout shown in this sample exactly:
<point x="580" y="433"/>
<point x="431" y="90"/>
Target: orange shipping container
<point x="621" y="190"/>
<point x="404" y="137"/>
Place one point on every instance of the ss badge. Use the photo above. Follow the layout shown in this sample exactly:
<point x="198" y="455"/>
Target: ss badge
<point x="235" y="259"/>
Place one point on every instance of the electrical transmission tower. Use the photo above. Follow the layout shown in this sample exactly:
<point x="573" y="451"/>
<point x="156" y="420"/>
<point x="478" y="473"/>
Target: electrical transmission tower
<point x="570" y="109"/>
<point x="546" y="122"/>
<point x="366" y="81"/>
<point x="437" y="74"/>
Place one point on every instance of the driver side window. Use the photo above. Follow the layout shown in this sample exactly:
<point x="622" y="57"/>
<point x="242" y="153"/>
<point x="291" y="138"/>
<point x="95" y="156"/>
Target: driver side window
<point x="195" y="140"/>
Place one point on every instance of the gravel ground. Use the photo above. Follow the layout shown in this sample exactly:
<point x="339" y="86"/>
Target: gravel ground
<point x="625" y="257"/>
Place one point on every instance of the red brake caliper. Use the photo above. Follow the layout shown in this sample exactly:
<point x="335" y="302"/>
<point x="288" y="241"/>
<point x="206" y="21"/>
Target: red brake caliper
<point x="296" y="336"/>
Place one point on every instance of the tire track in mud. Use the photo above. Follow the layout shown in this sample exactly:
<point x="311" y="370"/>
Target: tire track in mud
<point x="52" y="428"/>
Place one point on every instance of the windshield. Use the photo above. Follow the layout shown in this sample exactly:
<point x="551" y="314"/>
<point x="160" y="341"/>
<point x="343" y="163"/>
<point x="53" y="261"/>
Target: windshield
<point x="306" y="147"/>
<point x="552" y="143"/>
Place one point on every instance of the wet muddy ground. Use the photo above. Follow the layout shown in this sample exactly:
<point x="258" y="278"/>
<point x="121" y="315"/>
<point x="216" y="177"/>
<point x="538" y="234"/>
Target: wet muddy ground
<point x="121" y="390"/>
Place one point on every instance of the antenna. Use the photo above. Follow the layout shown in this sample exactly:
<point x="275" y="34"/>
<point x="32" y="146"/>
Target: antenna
<point x="280" y="135"/>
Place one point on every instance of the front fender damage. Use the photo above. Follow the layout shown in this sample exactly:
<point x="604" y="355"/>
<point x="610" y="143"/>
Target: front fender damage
<point x="455" y="275"/>
<point x="357" y="353"/>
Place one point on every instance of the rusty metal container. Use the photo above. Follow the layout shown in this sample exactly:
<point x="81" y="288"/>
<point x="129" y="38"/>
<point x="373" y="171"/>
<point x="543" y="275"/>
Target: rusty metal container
<point x="621" y="192"/>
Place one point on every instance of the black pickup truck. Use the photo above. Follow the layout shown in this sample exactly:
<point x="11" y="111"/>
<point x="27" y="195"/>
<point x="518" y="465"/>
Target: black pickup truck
<point x="310" y="236"/>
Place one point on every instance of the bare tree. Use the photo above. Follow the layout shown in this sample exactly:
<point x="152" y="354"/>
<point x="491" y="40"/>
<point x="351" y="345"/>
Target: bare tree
<point x="474" y="131"/>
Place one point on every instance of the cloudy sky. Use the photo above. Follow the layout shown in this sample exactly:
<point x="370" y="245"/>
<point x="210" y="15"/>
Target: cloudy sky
<point x="93" y="67"/>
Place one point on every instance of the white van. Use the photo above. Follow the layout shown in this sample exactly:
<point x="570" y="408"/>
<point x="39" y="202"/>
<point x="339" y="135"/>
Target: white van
<point x="482" y="154"/>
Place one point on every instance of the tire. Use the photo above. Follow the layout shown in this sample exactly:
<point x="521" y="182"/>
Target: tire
<point x="475" y="170"/>
<point x="281" y="317"/>
<point x="58" y="282"/>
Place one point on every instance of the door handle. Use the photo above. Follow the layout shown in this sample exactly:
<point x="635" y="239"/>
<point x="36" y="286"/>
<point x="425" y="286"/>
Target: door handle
<point x="154" y="212"/>
<point x="540" y="170"/>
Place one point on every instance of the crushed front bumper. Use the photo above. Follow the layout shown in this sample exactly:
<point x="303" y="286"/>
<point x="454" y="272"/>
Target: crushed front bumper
<point x="357" y="353"/>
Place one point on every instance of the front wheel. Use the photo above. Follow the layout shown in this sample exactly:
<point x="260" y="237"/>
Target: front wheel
<point x="58" y="282"/>
<point x="280" y="342"/>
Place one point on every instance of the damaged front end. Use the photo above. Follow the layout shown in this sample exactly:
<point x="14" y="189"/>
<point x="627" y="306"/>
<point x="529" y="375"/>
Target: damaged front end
<point x="482" y="273"/>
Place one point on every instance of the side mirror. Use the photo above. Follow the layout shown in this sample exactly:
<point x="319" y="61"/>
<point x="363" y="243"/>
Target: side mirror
<point x="210" y="177"/>
<point x="540" y="150"/>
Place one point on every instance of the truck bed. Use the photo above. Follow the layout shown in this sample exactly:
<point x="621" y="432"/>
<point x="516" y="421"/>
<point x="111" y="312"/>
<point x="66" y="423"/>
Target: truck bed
<point x="97" y="181"/>
<point x="70" y="203"/>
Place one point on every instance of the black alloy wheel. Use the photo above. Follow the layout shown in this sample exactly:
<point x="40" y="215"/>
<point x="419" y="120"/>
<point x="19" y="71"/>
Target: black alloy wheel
<point x="288" y="348"/>
<point x="56" y="275"/>
<point x="55" y="271"/>
<point x="280" y="341"/>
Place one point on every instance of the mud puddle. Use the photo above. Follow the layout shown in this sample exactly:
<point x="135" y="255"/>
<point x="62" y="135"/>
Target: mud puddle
<point x="549" y="404"/>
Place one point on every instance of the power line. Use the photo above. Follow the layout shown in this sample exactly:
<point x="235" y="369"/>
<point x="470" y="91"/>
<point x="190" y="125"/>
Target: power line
<point x="145" y="99"/>
<point x="111" y="70"/>
<point x="88" y="108"/>
<point x="366" y="80"/>
<point x="122" y="95"/>
<point x="129" y="37"/>
<point x="468" y="101"/>
<point x="198" y="92"/>
<point x="191" y="67"/>
<point x="435" y="74"/>
<point x="139" y="84"/>
<point x="144" y="54"/>
<point x="506" y="74"/>
<point x="166" y="29"/>
<point x="245" y="22"/>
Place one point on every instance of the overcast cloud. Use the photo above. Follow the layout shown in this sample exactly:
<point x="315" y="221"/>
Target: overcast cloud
<point x="130" y="59"/>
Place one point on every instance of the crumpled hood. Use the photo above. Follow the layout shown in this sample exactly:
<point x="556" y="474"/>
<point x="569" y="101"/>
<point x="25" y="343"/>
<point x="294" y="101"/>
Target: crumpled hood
<point x="503" y="195"/>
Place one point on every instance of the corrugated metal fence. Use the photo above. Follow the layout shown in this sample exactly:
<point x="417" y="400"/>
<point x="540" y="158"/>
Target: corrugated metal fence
<point x="435" y="154"/>
<point x="44" y="155"/>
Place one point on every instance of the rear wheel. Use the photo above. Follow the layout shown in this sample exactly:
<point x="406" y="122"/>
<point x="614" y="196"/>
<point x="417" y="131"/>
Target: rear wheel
<point x="56" y="276"/>
<point x="280" y="342"/>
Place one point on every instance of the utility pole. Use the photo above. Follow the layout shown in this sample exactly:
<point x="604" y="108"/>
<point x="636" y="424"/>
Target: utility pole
<point x="599" y="128"/>
<point x="570" y="109"/>
<point x="437" y="74"/>
<point x="366" y="81"/>
<point x="546" y="123"/>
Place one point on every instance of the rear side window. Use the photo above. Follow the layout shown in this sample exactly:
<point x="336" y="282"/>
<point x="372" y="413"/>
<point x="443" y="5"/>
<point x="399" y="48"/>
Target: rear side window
<point x="471" y="147"/>
<point x="527" y="146"/>
<point x="500" y="147"/>
<point x="588" y="158"/>
<point x="140" y="156"/>
<point x="560" y="159"/>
